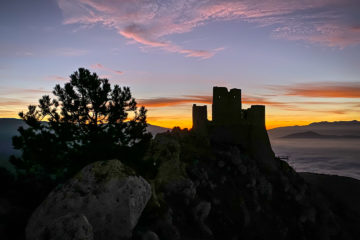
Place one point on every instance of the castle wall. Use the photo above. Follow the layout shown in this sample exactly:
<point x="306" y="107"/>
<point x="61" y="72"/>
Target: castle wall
<point x="256" y="115"/>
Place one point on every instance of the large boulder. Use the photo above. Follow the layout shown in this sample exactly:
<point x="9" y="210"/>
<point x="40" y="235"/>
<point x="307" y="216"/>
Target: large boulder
<point x="106" y="193"/>
<point x="72" y="226"/>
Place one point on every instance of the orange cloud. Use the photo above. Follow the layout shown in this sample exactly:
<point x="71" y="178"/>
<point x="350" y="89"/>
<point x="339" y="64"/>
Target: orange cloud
<point x="323" y="90"/>
<point x="261" y="101"/>
<point x="12" y="102"/>
<point x="165" y="102"/>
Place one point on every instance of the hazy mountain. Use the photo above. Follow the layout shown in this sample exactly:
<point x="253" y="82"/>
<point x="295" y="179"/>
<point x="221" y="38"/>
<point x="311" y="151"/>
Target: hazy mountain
<point x="312" y="134"/>
<point x="336" y="123"/>
<point x="339" y="128"/>
<point x="156" y="129"/>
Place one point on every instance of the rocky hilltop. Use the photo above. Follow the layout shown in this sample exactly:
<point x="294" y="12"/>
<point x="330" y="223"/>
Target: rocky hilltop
<point x="221" y="180"/>
<point x="201" y="189"/>
<point x="222" y="192"/>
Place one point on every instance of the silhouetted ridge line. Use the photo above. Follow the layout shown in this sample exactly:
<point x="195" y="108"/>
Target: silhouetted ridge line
<point x="312" y="134"/>
<point x="336" y="123"/>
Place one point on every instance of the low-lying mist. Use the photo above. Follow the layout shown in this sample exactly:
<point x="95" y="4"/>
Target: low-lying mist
<point x="329" y="156"/>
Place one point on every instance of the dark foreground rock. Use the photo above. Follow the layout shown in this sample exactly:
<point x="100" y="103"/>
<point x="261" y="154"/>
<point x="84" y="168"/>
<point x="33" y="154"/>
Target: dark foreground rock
<point x="344" y="190"/>
<point x="105" y="199"/>
<point x="343" y="193"/>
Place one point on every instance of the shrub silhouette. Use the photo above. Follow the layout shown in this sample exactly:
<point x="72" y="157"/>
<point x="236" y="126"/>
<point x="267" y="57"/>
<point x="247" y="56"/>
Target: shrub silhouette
<point x="87" y="121"/>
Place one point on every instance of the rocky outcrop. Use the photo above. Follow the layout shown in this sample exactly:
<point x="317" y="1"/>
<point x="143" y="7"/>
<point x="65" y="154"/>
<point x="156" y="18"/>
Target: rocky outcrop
<point x="106" y="193"/>
<point x="229" y="193"/>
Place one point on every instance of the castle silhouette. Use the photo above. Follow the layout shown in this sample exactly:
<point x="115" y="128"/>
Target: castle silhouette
<point x="227" y="111"/>
<point x="233" y="125"/>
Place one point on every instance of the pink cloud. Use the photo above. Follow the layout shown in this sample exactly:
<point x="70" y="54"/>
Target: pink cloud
<point x="56" y="78"/>
<point x="135" y="33"/>
<point x="332" y="34"/>
<point x="149" y="22"/>
<point x="102" y="67"/>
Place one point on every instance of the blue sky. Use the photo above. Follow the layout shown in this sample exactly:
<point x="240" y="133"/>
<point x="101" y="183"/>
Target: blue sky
<point x="299" y="58"/>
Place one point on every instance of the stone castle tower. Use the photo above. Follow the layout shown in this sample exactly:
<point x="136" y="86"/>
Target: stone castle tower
<point x="227" y="111"/>
<point x="233" y="125"/>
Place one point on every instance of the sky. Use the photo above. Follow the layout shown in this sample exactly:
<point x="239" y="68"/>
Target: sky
<point x="299" y="58"/>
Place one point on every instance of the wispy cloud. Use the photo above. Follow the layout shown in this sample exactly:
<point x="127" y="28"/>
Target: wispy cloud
<point x="56" y="78"/>
<point x="14" y="100"/>
<point x="24" y="53"/>
<point x="10" y="106"/>
<point x="5" y="102"/>
<point x="69" y="52"/>
<point x="11" y="94"/>
<point x="8" y="91"/>
<point x="163" y="101"/>
<point x="302" y="107"/>
<point x="166" y="101"/>
<point x="102" y="67"/>
<point x="324" y="111"/>
<point x="321" y="90"/>
<point x="149" y="22"/>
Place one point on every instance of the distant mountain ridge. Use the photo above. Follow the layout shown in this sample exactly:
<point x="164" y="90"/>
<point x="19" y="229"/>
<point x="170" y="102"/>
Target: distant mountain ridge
<point x="336" y="123"/>
<point x="312" y="134"/>
<point x="338" y="128"/>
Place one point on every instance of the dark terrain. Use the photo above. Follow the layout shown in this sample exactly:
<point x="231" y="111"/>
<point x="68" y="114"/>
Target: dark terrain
<point x="202" y="189"/>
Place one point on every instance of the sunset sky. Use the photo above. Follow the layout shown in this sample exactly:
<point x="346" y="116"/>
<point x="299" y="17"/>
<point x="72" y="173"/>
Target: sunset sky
<point x="300" y="58"/>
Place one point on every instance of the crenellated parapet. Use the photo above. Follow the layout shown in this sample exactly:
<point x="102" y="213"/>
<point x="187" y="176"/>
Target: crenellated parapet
<point x="227" y="111"/>
<point x="255" y="115"/>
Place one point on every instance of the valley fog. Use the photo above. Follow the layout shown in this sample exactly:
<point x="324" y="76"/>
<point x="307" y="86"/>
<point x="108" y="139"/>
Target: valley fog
<point x="330" y="156"/>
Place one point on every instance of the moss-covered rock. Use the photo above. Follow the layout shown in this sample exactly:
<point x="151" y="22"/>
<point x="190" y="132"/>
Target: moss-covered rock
<point x="106" y="170"/>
